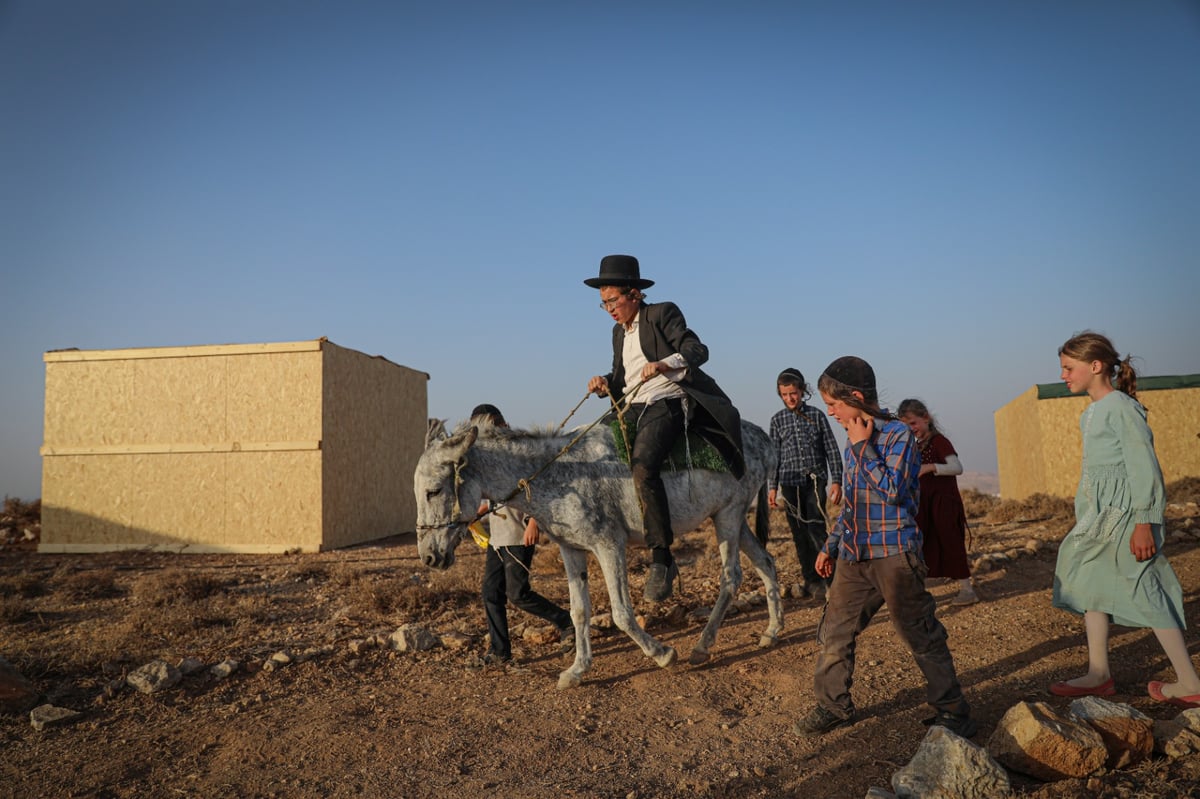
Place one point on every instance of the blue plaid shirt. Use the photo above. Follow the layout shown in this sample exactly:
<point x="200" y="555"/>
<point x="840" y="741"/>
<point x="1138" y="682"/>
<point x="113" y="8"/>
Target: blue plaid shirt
<point x="881" y="493"/>
<point x="805" y="445"/>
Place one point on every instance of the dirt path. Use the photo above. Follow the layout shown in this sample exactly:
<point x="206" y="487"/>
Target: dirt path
<point x="436" y="724"/>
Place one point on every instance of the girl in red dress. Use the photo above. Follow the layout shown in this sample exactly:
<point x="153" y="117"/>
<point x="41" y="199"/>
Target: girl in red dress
<point x="941" y="515"/>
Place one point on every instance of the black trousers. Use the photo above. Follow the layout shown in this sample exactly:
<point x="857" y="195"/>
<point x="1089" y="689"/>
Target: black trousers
<point x="506" y="578"/>
<point x="804" y="507"/>
<point x="659" y="426"/>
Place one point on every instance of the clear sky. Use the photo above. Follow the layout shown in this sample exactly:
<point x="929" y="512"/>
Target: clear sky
<point x="946" y="189"/>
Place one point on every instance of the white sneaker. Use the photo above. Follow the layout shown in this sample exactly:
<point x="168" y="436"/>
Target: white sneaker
<point x="966" y="595"/>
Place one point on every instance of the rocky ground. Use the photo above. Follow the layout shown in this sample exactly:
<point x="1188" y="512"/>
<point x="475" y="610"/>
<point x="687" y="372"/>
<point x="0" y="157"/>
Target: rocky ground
<point x="342" y="716"/>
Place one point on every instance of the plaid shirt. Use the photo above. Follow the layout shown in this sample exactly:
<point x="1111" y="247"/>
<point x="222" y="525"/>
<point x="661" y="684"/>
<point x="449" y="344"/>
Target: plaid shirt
<point x="881" y="492"/>
<point x="805" y="445"/>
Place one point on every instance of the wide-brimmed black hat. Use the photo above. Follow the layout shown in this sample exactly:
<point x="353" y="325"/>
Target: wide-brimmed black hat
<point x="619" y="270"/>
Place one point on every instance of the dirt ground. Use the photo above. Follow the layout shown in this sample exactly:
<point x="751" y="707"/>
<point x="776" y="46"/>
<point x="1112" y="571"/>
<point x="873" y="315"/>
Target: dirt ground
<point x="347" y="719"/>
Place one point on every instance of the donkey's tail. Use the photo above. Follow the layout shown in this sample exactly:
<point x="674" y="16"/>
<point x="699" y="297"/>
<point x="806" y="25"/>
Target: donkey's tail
<point x="762" y="517"/>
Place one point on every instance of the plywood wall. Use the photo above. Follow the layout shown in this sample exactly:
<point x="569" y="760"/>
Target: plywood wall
<point x="221" y="448"/>
<point x="375" y="416"/>
<point x="1039" y="446"/>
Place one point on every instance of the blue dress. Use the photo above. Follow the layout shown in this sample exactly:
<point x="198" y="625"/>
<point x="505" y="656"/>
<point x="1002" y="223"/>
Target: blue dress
<point x="1121" y="485"/>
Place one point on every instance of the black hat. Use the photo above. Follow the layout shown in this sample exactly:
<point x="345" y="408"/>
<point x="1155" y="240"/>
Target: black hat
<point x="619" y="270"/>
<point x="853" y="372"/>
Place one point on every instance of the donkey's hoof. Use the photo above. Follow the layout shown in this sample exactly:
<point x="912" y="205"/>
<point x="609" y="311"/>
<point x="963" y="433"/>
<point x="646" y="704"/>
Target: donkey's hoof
<point x="667" y="658"/>
<point x="767" y="641"/>
<point x="698" y="657"/>
<point x="569" y="679"/>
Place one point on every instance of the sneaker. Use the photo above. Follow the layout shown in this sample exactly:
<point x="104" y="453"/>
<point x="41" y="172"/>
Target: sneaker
<point x="494" y="659"/>
<point x="966" y="596"/>
<point x="815" y="589"/>
<point x="659" y="581"/>
<point x="962" y="726"/>
<point x="820" y="721"/>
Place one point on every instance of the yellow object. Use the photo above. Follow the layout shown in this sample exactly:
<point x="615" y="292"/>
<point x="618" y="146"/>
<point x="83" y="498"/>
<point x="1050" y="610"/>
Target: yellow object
<point x="479" y="534"/>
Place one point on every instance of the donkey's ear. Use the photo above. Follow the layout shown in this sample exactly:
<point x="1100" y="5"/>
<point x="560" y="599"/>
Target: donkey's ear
<point x="435" y="432"/>
<point x="456" y="446"/>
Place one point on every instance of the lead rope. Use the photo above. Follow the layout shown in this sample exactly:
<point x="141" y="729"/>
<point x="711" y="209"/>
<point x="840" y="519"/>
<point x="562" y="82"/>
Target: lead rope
<point x="524" y="484"/>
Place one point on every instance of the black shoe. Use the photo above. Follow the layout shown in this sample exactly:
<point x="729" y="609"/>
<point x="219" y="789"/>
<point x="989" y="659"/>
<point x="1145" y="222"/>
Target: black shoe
<point x="962" y="726"/>
<point x="815" y="589"/>
<point x="493" y="659"/>
<point x="820" y="721"/>
<point x="659" y="581"/>
<point x="566" y="640"/>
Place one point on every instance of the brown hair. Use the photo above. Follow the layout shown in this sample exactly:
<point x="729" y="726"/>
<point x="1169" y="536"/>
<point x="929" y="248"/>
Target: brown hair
<point x="1090" y="346"/>
<point x="917" y="408"/>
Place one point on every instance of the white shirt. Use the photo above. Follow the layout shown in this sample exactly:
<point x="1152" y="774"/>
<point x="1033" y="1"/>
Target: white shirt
<point x="660" y="386"/>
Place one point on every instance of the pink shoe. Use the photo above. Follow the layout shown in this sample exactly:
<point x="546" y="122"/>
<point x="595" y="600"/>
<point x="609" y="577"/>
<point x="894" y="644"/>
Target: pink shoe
<point x="1154" y="688"/>
<point x="1107" y="688"/>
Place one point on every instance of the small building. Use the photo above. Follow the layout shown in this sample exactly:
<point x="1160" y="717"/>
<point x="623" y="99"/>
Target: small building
<point x="1039" y="448"/>
<point x="299" y="446"/>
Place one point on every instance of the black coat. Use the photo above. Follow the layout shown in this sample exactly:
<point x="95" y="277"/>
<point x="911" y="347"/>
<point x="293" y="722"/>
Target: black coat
<point x="662" y="331"/>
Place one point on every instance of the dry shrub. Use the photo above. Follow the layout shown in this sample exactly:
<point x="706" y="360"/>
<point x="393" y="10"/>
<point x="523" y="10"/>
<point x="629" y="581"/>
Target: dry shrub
<point x="92" y="584"/>
<point x="17" y="512"/>
<point x="977" y="503"/>
<point x="173" y="586"/>
<point x="390" y="596"/>
<point x="1038" y="507"/>
<point x="14" y="608"/>
<point x="1186" y="489"/>
<point x="23" y="585"/>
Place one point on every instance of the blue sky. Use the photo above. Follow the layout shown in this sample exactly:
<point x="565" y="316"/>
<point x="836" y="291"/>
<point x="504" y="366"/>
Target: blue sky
<point x="946" y="189"/>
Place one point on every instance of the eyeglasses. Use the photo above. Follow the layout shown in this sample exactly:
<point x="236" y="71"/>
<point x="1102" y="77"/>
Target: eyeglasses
<point x="608" y="305"/>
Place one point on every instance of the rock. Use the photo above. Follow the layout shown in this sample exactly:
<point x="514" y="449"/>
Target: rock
<point x="17" y="693"/>
<point x="412" y="638"/>
<point x="603" y="621"/>
<point x="1127" y="732"/>
<point x="278" y="660"/>
<point x="44" y="716"/>
<point x="224" y="668"/>
<point x="540" y="635"/>
<point x="456" y="640"/>
<point x="1174" y="739"/>
<point x="1033" y="739"/>
<point x="157" y="675"/>
<point x="189" y="666"/>
<point x="1190" y="719"/>
<point x="948" y="766"/>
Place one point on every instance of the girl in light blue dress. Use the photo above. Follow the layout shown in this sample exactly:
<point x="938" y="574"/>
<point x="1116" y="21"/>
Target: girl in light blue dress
<point x="1110" y="566"/>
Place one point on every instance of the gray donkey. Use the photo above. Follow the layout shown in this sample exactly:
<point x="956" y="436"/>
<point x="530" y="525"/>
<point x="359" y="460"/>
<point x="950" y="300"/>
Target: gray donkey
<point x="582" y="495"/>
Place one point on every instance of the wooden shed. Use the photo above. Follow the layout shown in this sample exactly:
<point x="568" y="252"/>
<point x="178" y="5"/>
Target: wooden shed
<point x="299" y="446"/>
<point x="1039" y="447"/>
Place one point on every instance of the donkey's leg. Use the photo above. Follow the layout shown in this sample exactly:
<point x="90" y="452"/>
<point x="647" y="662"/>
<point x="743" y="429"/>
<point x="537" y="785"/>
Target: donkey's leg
<point x="764" y="564"/>
<point x="728" y="525"/>
<point x="611" y="557"/>
<point x="575" y="561"/>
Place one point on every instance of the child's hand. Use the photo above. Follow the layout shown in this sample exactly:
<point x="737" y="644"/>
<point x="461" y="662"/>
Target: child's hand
<point x="824" y="565"/>
<point x="1141" y="543"/>
<point x="771" y="498"/>
<point x="859" y="429"/>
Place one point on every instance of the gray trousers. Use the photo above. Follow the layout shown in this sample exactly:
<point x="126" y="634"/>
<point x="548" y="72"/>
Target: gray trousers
<point x="859" y="590"/>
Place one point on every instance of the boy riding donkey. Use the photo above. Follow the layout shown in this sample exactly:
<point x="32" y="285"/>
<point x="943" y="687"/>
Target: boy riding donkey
<point x="656" y="376"/>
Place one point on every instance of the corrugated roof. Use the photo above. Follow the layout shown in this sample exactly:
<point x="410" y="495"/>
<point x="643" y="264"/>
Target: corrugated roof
<point x="1159" y="383"/>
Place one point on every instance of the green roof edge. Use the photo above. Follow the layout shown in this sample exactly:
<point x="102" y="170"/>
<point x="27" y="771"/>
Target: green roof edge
<point x="1159" y="383"/>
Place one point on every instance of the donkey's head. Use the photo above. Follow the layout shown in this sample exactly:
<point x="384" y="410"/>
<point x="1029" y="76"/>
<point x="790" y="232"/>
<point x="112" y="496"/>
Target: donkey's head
<point x="446" y="497"/>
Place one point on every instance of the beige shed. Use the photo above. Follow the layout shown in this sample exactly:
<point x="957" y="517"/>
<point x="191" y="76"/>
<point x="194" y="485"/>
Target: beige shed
<point x="1039" y="446"/>
<point x="297" y="446"/>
